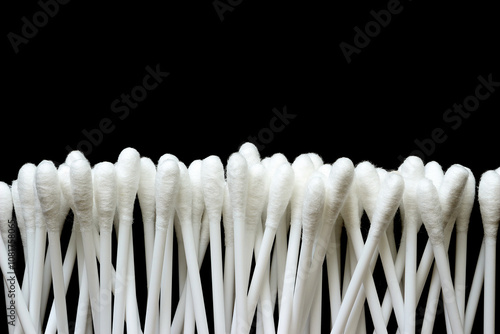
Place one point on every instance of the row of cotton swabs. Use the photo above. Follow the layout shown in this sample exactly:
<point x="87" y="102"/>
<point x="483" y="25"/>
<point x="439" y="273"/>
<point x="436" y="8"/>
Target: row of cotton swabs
<point x="286" y="217"/>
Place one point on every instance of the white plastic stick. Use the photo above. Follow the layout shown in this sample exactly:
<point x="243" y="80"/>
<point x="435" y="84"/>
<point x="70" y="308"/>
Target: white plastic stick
<point x="475" y="292"/>
<point x="227" y="220"/>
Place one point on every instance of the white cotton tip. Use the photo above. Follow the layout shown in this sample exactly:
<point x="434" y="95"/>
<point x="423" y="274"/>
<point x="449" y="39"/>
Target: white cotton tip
<point x="280" y="192"/>
<point x="213" y="184"/>
<point x="381" y="173"/>
<point x="316" y="160"/>
<point x="6" y="204"/>
<point x="430" y="210"/>
<point x="368" y="186"/>
<point x="434" y="172"/>
<point x="265" y="162"/>
<point x="27" y="196"/>
<point x="412" y="170"/>
<point x="105" y="192"/>
<point x="489" y="202"/>
<point x="257" y="192"/>
<point x="73" y="156"/>
<point x="325" y="169"/>
<point x="314" y="200"/>
<point x="19" y="212"/>
<point x="194" y="171"/>
<point x="389" y="197"/>
<point x="338" y="184"/>
<point x="451" y="190"/>
<point x="146" y="191"/>
<point x="185" y="197"/>
<point x="166" y="192"/>
<point x="273" y="164"/>
<point x="83" y="193"/>
<point x="128" y="171"/>
<point x="250" y="152"/>
<point x="237" y="182"/>
<point x="350" y="211"/>
<point x="227" y="219"/>
<point x="465" y="207"/>
<point x="5" y="210"/>
<point x="49" y="194"/>
<point x="303" y="167"/>
<point x="166" y="157"/>
<point x="63" y="172"/>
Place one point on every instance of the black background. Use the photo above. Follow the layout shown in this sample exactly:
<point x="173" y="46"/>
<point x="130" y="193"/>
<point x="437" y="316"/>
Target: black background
<point x="227" y="76"/>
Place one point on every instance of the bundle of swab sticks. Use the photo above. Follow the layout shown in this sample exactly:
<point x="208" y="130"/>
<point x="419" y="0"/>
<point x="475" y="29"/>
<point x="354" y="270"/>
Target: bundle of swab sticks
<point x="282" y="224"/>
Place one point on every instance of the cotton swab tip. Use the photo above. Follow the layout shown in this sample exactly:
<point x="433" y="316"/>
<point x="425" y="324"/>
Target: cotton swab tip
<point x="430" y="210"/>
<point x="489" y="202"/>
<point x="312" y="211"/>
<point x="166" y="191"/>
<point x="6" y="203"/>
<point x="146" y="191"/>
<point x="81" y="185"/>
<point x="389" y="197"/>
<point x="280" y="192"/>
<point x="105" y="193"/>
<point x="250" y="152"/>
<point x="212" y="178"/>
<point x="451" y="190"/>
<point x="49" y="193"/>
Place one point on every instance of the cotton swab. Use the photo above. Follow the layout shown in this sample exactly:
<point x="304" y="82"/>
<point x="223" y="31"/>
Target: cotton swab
<point x="489" y="204"/>
<point x="430" y="211"/>
<point x="127" y="176"/>
<point x="82" y="189"/>
<point x="450" y="195"/>
<point x="237" y="181"/>
<point x="280" y="191"/>
<point x="413" y="171"/>
<point x="387" y="204"/>
<point x="49" y="195"/>
<point x="166" y="191"/>
<point x="146" y="196"/>
<point x="105" y="192"/>
<point x="228" y="224"/>
<point x="312" y="212"/>
<point x="212" y="175"/>
<point x="462" y="226"/>
<point x="183" y="209"/>
<point x="303" y="168"/>
<point x="475" y="291"/>
<point x="337" y="187"/>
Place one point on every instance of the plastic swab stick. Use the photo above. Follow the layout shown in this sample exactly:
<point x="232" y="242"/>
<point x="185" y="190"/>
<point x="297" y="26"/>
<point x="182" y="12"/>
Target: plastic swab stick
<point x="166" y="282"/>
<point x="213" y="193"/>
<point x="82" y="188"/>
<point x="167" y="189"/>
<point x="475" y="292"/>
<point x="489" y="204"/>
<point x="280" y="191"/>
<point x="462" y="226"/>
<point x="387" y="203"/>
<point x="183" y="209"/>
<point x="105" y="203"/>
<point x="237" y="181"/>
<point x="303" y="168"/>
<point x="50" y="197"/>
<point x="146" y="195"/>
<point x="127" y="176"/>
<point x="228" y="224"/>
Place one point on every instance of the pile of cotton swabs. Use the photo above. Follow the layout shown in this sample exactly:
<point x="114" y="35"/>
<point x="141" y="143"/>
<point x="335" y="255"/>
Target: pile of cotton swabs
<point x="281" y="223"/>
